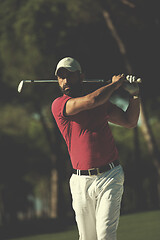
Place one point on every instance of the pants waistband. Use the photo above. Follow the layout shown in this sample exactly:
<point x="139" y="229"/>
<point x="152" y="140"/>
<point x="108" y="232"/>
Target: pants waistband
<point x="96" y="171"/>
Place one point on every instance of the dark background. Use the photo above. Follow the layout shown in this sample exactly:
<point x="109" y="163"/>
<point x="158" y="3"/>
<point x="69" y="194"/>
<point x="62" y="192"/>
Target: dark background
<point x="34" y="162"/>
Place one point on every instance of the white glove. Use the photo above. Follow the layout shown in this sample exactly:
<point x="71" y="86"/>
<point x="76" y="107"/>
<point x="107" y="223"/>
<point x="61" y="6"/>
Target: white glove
<point x="131" y="85"/>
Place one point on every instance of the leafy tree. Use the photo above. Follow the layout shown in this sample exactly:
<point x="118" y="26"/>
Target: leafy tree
<point x="34" y="35"/>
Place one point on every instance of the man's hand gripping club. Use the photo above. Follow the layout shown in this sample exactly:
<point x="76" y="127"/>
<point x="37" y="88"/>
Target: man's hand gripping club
<point x="119" y="80"/>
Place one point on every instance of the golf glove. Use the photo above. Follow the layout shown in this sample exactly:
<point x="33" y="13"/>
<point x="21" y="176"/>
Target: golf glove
<point x="131" y="85"/>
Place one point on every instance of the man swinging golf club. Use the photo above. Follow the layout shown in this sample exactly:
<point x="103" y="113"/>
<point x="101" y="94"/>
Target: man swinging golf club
<point x="97" y="180"/>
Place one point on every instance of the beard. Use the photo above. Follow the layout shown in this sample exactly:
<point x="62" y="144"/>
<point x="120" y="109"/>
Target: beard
<point x="72" y="90"/>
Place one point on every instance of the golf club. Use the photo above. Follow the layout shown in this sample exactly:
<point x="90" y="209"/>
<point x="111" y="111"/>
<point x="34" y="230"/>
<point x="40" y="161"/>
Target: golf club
<point x="20" y="86"/>
<point x="129" y="78"/>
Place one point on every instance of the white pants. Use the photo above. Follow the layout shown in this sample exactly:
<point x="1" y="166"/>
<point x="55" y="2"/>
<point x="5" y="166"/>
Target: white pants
<point x="96" y="202"/>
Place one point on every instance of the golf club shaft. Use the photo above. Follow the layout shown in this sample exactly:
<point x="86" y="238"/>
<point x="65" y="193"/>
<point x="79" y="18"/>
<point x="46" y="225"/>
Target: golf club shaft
<point x="56" y="81"/>
<point x="20" y="86"/>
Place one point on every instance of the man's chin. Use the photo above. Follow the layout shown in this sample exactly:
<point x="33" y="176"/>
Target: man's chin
<point x="73" y="92"/>
<point x="67" y="92"/>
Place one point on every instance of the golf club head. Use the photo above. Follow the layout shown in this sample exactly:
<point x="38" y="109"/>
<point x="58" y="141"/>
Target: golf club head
<point x="20" y="86"/>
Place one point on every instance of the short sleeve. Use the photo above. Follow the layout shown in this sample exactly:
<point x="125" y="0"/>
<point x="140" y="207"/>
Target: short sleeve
<point x="58" y="106"/>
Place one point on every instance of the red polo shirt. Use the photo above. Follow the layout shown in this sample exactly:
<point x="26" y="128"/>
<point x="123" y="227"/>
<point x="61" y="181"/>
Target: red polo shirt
<point x="87" y="134"/>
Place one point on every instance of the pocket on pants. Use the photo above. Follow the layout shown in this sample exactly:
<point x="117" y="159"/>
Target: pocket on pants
<point x="79" y="193"/>
<point x="120" y="175"/>
<point x="74" y="185"/>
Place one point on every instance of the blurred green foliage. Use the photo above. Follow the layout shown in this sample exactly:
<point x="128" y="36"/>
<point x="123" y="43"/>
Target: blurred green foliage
<point x="34" y="35"/>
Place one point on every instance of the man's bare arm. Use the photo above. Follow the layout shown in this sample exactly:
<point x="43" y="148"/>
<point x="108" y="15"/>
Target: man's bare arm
<point x="128" y="118"/>
<point x="94" y="99"/>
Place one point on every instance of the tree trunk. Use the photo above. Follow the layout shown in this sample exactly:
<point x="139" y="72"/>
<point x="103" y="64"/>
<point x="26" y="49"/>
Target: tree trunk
<point x="56" y="193"/>
<point x="145" y="127"/>
<point x="118" y="40"/>
<point x="152" y="147"/>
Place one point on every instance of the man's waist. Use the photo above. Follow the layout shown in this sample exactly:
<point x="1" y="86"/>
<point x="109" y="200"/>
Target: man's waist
<point x="96" y="171"/>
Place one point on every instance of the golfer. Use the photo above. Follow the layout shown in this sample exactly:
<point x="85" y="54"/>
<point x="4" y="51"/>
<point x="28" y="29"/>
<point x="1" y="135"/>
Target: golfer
<point x="97" y="180"/>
